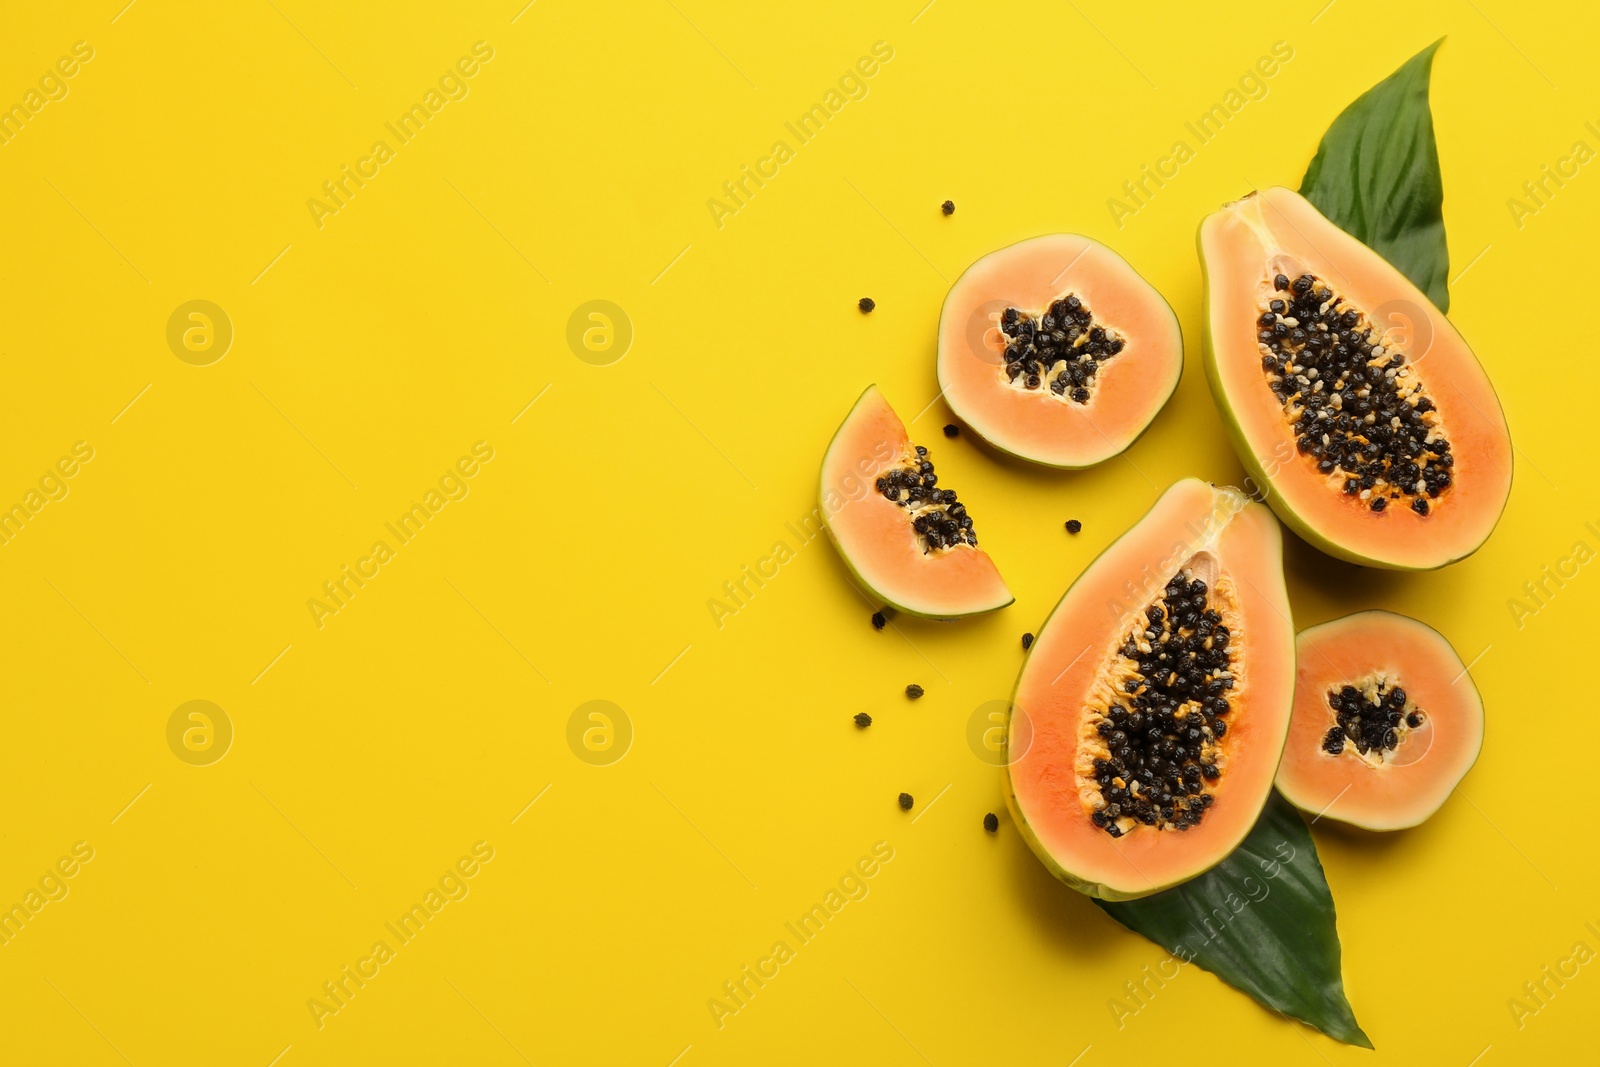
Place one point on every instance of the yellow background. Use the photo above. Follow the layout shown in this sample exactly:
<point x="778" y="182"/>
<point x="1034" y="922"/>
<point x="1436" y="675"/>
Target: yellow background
<point x="369" y="354"/>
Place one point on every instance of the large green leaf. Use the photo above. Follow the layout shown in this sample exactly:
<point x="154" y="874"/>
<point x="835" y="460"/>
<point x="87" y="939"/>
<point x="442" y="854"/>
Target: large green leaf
<point x="1376" y="174"/>
<point x="1262" y="921"/>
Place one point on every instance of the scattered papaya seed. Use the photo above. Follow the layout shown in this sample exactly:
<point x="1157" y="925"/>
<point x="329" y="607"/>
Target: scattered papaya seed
<point x="948" y="207"/>
<point x="1027" y="642"/>
<point x="906" y="802"/>
<point x="866" y="304"/>
<point x="914" y="691"/>
<point x="952" y="430"/>
<point x="1073" y="526"/>
<point x="863" y="720"/>
<point x="879" y="620"/>
<point x="991" y="822"/>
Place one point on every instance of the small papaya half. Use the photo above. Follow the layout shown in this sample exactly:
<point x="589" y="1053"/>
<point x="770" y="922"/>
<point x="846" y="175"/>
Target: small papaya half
<point x="1055" y="350"/>
<point x="1386" y="722"/>
<point x="1353" y="403"/>
<point x="1152" y="708"/>
<point x="907" y="539"/>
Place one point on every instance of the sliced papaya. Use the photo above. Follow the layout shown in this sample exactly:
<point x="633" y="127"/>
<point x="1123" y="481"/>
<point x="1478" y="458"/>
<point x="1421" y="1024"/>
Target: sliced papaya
<point x="1057" y="351"/>
<point x="907" y="539"/>
<point x="1152" y="708"/>
<point x="1353" y="403"/>
<point x="1386" y="722"/>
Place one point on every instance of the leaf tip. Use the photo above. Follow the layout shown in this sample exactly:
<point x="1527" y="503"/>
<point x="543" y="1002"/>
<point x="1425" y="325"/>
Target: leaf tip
<point x="1346" y="1031"/>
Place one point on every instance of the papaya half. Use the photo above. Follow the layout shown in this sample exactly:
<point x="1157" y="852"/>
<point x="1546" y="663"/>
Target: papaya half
<point x="1152" y="707"/>
<point x="1357" y="410"/>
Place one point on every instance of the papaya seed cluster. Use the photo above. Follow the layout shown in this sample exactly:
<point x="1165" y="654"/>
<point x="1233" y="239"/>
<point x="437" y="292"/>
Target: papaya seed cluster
<point x="1374" y="717"/>
<point x="939" y="519"/>
<point x="1162" y="735"/>
<point x="1065" y="346"/>
<point x="1355" y="405"/>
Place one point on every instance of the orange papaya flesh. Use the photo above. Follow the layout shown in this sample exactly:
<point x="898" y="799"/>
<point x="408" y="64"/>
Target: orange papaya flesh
<point x="1357" y="409"/>
<point x="1055" y="350"/>
<point x="1152" y="707"/>
<point x="1386" y="722"/>
<point x="907" y="540"/>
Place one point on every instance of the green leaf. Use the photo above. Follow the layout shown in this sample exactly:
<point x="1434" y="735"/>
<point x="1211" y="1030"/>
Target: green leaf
<point x="1376" y="175"/>
<point x="1262" y="920"/>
